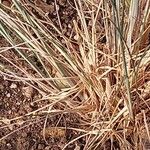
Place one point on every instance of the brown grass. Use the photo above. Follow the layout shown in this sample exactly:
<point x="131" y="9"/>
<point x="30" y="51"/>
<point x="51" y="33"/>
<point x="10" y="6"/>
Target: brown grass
<point x="106" y="83"/>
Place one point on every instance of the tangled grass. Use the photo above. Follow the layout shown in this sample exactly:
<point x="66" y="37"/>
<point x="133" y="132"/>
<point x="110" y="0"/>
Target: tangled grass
<point x="102" y="73"/>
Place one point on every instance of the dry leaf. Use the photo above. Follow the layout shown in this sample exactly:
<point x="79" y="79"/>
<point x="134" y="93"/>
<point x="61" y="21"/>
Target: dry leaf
<point x="54" y="132"/>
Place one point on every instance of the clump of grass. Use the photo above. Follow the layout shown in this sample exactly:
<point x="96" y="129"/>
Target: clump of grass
<point x="105" y="82"/>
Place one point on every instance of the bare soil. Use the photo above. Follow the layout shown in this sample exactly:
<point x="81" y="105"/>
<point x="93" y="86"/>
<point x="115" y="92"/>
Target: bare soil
<point x="26" y="133"/>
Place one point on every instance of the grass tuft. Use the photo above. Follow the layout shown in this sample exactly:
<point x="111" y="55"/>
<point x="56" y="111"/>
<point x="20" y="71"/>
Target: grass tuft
<point x="100" y="74"/>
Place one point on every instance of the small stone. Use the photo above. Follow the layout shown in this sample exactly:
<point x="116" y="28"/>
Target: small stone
<point x="21" y="122"/>
<point x="39" y="96"/>
<point x="24" y="134"/>
<point x="7" y="104"/>
<point x="9" y="112"/>
<point x="1" y="87"/>
<point x="76" y="37"/>
<point x="8" y="95"/>
<point x="10" y="126"/>
<point x="40" y="146"/>
<point x="13" y="86"/>
<point x="8" y="145"/>
<point x="13" y="108"/>
<point x="28" y="91"/>
<point x="6" y="83"/>
<point x="69" y="26"/>
<point x="18" y="103"/>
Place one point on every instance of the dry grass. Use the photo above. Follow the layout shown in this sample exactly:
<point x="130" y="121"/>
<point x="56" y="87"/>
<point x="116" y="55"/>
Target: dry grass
<point x="107" y="84"/>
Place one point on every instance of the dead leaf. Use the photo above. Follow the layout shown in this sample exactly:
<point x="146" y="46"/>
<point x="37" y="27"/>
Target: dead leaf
<point x="54" y="132"/>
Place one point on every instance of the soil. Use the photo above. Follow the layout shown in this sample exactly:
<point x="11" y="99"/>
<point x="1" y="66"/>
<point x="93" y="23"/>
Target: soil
<point x="25" y="132"/>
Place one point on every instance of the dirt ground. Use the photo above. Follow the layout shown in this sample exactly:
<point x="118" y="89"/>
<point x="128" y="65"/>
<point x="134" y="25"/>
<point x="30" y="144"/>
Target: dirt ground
<point x="26" y="132"/>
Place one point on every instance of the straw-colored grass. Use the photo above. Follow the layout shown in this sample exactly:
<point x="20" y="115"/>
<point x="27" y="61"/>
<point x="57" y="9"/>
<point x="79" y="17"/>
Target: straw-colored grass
<point x="107" y="84"/>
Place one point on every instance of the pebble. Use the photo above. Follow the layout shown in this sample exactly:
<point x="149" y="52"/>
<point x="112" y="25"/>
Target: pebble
<point x="6" y="83"/>
<point x="18" y="103"/>
<point x="9" y="112"/>
<point x="69" y="26"/>
<point x="13" y="86"/>
<point x="8" y="95"/>
<point x="28" y="91"/>
<point x="1" y="87"/>
<point x="76" y="37"/>
<point x="41" y="146"/>
<point x="9" y="145"/>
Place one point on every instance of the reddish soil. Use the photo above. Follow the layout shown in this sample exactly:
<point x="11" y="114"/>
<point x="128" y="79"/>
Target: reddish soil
<point x="26" y="133"/>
